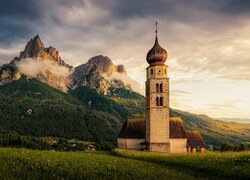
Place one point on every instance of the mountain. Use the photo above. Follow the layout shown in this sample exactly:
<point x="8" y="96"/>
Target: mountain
<point x="35" y="49"/>
<point x="46" y="65"/>
<point x="101" y="74"/>
<point x="41" y="95"/>
<point x="37" y="61"/>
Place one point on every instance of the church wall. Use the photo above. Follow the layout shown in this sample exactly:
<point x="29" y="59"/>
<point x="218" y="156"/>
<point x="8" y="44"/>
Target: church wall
<point x="134" y="144"/>
<point x="157" y="125"/>
<point x="178" y="145"/>
<point x="159" y="147"/>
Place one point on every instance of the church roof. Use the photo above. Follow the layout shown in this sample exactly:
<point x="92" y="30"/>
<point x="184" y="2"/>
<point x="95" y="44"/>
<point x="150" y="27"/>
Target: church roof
<point x="176" y="128"/>
<point x="195" y="139"/>
<point x="156" y="55"/>
<point x="136" y="129"/>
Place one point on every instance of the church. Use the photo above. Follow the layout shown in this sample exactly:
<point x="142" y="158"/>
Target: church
<point x="158" y="132"/>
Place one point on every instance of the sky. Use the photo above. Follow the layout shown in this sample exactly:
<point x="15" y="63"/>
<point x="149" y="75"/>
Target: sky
<point x="208" y="43"/>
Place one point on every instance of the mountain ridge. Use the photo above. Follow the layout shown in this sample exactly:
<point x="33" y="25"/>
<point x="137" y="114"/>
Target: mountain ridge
<point x="98" y="72"/>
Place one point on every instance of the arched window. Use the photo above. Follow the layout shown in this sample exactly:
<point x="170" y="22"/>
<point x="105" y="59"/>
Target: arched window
<point x="152" y="71"/>
<point x="157" y="87"/>
<point x="161" y="88"/>
<point x="161" y="101"/>
<point x="165" y="71"/>
<point x="157" y="101"/>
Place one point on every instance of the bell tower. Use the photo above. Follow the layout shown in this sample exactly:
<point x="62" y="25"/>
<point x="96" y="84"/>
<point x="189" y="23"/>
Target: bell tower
<point x="157" y="99"/>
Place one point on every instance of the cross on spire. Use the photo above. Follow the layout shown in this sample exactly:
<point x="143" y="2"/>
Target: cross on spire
<point x="156" y="23"/>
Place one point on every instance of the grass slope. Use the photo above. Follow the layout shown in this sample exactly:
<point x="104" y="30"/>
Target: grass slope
<point x="30" y="164"/>
<point x="34" y="164"/>
<point x="220" y="165"/>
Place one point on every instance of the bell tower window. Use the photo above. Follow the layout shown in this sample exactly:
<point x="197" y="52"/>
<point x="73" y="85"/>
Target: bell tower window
<point x="161" y="101"/>
<point x="157" y="87"/>
<point x="152" y="71"/>
<point x="157" y="101"/>
<point x="161" y="89"/>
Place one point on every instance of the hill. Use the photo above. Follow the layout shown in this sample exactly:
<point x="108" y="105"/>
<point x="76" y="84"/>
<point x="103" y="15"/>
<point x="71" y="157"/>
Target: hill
<point x="34" y="164"/>
<point x="30" y="107"/>
<point x="214" y="131"/>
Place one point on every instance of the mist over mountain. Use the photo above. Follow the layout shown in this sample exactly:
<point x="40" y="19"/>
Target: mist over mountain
<point x="46" y="65"/>
<point x="101" y="74"/>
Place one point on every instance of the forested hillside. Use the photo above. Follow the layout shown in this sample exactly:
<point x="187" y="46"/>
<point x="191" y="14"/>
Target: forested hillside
<point x="30" y="107"/>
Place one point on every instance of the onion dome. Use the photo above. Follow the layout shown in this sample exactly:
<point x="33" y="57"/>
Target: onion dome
<point x="157" y="55"/>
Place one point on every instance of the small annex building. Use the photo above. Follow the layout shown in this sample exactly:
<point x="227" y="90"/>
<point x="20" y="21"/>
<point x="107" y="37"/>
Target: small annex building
<point x="133" y="136"/>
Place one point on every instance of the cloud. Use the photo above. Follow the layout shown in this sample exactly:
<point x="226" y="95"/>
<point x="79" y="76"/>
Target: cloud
<point x="45" y="71"/>
<point x="127" y="81"/>
<point x="177" y="92"/>
<point x="235" y="7"/>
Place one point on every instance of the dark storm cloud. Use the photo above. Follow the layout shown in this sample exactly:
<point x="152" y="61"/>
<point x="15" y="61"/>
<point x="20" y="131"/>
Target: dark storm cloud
<point x="15" y="19"/>
<point x="20" y="9"/>
<point x="13" y="30"/>
<point x="15" y="15"/>
<point x="131" y="8"/>
<point x="236" y="7"/>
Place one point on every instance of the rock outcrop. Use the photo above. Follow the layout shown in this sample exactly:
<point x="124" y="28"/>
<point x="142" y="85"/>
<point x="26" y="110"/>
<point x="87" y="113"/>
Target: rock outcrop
<point x="8" y="73"/>
<point x="35" y="49"/>
<point x="101" y="74"/>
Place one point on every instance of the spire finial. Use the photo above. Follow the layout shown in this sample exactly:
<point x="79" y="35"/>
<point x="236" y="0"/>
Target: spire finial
<point x="156" y="23"/>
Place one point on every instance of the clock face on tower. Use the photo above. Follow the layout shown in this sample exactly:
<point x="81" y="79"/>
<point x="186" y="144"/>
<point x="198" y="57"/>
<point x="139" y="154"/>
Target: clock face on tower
<point x="159" y="72"/>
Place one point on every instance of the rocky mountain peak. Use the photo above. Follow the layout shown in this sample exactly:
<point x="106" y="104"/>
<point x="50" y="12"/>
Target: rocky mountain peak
<point x="36" y="49"/>
<point x="37" y="61"/>
<point x="104" y="65"/>
<point x="101" y="74"/>
<point x="37" y="41"/>
<point x="32" y="48"/>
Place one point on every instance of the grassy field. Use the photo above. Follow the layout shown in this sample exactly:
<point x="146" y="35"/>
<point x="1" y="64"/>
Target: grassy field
<point x="217" y="164"/>
<point x="119" y="164"/>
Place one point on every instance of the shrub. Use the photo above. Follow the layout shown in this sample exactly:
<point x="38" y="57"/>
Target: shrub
<point x="226" y="147"/>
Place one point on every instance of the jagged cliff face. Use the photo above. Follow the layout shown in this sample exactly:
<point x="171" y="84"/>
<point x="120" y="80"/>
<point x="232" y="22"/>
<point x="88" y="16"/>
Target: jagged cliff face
<point x="37" y="61"/>
<point x="46" y="65"/>
<point x="35" y="49"/>
<point x="101" y="74"/>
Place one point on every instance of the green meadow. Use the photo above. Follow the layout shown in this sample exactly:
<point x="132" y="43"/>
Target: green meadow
<point x="121" y="164"/>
